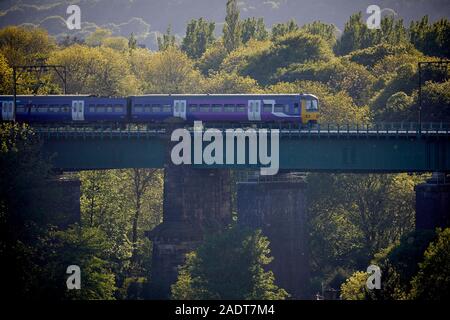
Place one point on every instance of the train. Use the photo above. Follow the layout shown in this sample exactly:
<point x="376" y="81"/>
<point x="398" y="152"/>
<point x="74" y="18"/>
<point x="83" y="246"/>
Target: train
<point x="158" y="108"/>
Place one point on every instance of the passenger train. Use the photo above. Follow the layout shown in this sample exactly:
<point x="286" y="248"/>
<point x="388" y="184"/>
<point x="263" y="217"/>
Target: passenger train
<point x="157" y="108"/>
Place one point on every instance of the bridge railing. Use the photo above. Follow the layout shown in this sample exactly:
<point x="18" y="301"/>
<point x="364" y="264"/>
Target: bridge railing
<point x="151" y="130"/>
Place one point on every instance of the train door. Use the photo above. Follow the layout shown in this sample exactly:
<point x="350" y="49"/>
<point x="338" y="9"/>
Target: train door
<point x="254" y="110"/>
<point x="8" y="112"/>
<point x="179" y="109"/>
<point x="77" y="110"/>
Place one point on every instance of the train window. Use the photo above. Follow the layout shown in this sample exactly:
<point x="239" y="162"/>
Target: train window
<point x="20" y="109"/>
<point x="42" y="108"/>
<point x="109" y="108"/>
<point x="53" y="108"/>
<point x="279" y="107"/>
<point x="156" y="107"/>
<point x="241" y="108"/>
<point x="192" y="107"/>
<point x="311" y="105"/>
<point x="286" y="108"/>
<point x="138" y="108"/>
<point x="204" y="107"/>
<point x="65" y="108"/>
<point x="296" y="110"/>
<point x="167" y="108"/>
<point x="147" y="108"/>
<point x="118" y="108"/>
<point x="267" y="108"/>
<point x="228" y="108"/>
<point x="216" y="108"/>
<point x="92" y="108"/>
<point x="100" y="108"/>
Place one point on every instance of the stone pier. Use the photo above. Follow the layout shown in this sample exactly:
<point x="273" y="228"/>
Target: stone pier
<point x="63" y="200"/>
<point x="196" y="202"/>
<point x="277" y="206"/>
<point x="433" y="202"/>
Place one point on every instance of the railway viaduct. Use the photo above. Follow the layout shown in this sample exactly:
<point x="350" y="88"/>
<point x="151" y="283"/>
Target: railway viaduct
<point x="197" y="198"/>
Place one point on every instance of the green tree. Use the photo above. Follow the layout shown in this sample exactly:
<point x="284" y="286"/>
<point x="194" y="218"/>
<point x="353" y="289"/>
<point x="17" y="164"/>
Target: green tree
<point x="253" y="28"/>
<point x="326" y="31"/>
<point x="132" y="42"/>
<point x="167" y="40"/>
<point x="224" y="82"/>
<point x="432" y="282"/>
<point x="232" y="31"/>
<point x="354" y="287"/>
<point x="213" y="57"/>
<point x="5" y="76"/>
<point x="96" y="38"/>
<point x="24" y="46"/>
<point x="171" y="71"/>
<point x="282" y="29"/>
<point x="431" y="39"/>
<point x="228" y="266"/>
<point x="102" y="71"/>
<point x="199" y="36"/>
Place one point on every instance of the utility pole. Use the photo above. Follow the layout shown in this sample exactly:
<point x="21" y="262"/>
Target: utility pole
<point x="61" y="71"/>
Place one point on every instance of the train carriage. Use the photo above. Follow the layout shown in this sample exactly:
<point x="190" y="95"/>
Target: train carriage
<point x="292" y="108"/>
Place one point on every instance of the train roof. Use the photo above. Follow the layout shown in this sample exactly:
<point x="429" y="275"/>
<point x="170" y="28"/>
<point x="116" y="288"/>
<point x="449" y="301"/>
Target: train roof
<point x="173" y="95"/>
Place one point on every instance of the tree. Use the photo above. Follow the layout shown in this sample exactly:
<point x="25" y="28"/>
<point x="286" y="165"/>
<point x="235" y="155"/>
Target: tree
<point x="96" y="38"/>
<point x="294" y="47"/>
<point x="167" y="40"/>
<point x="232" y="32"/>
<point x="253" y="28"/>
<point x="116" y="43"/>
<point x="224" y="82"/>
<point x="199" y="36"/>
<point x="213" y="57"/>
<point x="229" y="265"/>
<point x="102" y="71"/>
<point x="171" y="71"/>
<point x="132" y="42"/>
<point x="24" y="46"/>
<point x="431" y="39"/>
<point x="354" y="287"/>
<point x="325" y="31"/>
<point x="5" y="76"/>
<point x="141" y="180"/>
<point x="282" y="29"/>
<point x="432" y="282"/>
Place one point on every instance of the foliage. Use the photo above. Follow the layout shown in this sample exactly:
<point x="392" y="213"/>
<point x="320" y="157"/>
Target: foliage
<point x="99" y="70"/>
<point x="213" y="57"/>
<point x="253" y="28"/>
<point x="357" y="35"/>
<point x="282" y="29"/>
<point x="431" y="39"/>
<point x="432" y="282"/>
<point x="22" y="46"/>
<point x="171" y="71"/>
<point x="354" y="287"/>
<point x="167" y="40"/>
<point x="232" y="30"/>
<point x="199" y="36"/>
<point x="228" y="266"/>
<point x="224" y="82"/>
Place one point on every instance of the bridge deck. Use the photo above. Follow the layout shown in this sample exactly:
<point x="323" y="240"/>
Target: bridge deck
<point x="352" y="148"/>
